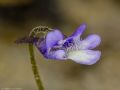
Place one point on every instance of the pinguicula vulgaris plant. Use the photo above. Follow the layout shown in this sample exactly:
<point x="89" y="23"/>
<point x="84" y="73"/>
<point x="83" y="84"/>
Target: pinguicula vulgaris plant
<point x="56" y="46"/>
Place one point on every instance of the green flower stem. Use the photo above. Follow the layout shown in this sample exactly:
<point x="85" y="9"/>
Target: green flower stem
<point x="34" y="68"/>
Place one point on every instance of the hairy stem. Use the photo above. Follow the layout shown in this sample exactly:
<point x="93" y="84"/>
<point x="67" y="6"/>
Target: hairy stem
<point x="34" y="68"/>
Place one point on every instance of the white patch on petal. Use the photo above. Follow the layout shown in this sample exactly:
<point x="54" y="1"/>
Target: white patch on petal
<point x="83" y="45"/>
<point x="87" y="57"/>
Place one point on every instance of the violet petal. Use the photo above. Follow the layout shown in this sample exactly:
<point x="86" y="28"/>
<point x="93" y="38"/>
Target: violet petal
<point x="90" y="42"/>
<point x="53" y="37"/>
<point x="87" y="57"/>
<point x="79" y="31"/>
<point x="57" y="55"/>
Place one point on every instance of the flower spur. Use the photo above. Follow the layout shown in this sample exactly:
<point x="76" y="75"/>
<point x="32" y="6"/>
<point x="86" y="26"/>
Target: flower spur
<point x="55" y="46"/>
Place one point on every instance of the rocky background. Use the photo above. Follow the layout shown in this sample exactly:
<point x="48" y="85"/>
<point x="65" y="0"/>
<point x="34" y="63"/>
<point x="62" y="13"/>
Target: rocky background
<point x="18" y="17"/>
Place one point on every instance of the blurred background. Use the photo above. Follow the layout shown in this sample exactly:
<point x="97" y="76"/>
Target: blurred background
<point x="18" y="17"/>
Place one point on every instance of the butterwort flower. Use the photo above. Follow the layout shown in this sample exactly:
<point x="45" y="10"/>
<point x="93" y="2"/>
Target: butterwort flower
<point x="57" y="47"/>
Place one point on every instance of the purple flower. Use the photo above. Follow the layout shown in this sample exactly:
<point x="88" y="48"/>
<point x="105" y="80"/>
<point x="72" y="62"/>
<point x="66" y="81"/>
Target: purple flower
<point x="56" y="46"/>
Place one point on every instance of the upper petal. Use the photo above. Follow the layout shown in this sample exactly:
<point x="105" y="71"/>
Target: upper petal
<point x="53" y="37"/>
<point x="87" y="57"/>
<point x="80" y="30"/>
<point x="90" y="42"/>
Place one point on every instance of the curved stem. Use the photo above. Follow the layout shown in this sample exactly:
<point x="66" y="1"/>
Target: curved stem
<point x="34" y="68"/>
